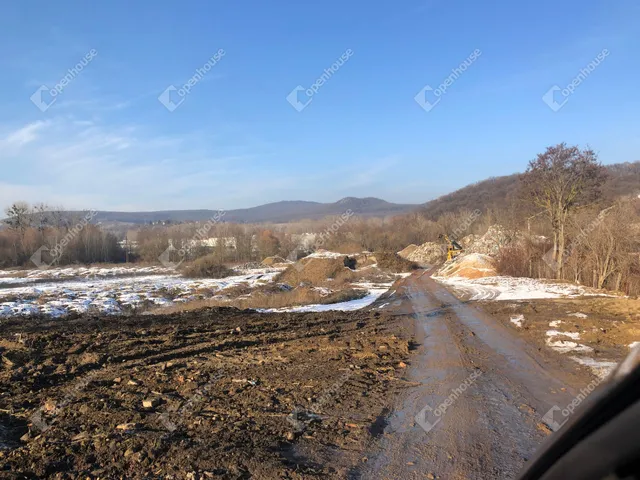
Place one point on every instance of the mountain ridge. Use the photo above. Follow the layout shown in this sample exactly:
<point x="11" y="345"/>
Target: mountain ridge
<point x="275" y="212"/>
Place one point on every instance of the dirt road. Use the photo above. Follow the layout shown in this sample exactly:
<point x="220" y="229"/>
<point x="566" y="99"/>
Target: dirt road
<point x="481" y="394"/>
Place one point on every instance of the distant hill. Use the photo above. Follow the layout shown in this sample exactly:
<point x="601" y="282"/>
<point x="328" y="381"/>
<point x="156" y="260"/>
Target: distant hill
<point x="278" y="212"/>
<point x="623" y="179"/>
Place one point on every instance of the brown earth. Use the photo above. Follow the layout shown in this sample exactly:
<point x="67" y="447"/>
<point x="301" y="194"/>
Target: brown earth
<point x="231" y="394"/>
<point x="471" y="266"/>
<point x="393" y="262"/>
<point x="610" y="326"/>
<point x="315" y="271"/>
<point x="218" y="393"/>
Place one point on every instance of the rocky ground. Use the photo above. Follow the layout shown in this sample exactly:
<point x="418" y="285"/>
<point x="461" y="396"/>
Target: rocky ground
<point x="218" y="393"/>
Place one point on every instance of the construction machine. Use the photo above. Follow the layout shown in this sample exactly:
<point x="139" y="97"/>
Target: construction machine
<point x="453" y="248"/>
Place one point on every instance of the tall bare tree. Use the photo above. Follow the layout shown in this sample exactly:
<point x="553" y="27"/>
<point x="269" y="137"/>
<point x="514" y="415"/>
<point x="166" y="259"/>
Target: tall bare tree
<point x="557" y="181"/>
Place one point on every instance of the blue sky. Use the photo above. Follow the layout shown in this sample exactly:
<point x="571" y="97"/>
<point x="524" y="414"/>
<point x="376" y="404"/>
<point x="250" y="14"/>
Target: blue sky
<point x="235" y="141"/>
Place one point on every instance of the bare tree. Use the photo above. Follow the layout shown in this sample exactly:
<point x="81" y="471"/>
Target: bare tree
<point x="609" y="245"/>
<point x="557" y="181"/>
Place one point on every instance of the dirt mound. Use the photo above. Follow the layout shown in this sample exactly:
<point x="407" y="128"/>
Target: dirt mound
<point x="316" y="270"/>
<point x="406" y="251"/>
<point x="491" y="242"/>
<point x="469" y="240"/>
<point x="428" y="253"/>
<point x="208" y="266"/>
<point x="394" y="262"/>
<point x="365" y="259"/>
<point x="473" y="265"/>
<point x="269" y="261"/>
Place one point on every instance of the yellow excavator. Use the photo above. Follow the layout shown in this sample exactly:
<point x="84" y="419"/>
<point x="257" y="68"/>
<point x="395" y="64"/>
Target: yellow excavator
<point x="453" y="248"/>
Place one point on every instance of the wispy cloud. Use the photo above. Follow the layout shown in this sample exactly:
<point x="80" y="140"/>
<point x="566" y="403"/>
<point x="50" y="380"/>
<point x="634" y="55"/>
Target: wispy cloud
<point x="68" y="161"/>
<point x="372" y="172"/>
<point x="23" y="135"/>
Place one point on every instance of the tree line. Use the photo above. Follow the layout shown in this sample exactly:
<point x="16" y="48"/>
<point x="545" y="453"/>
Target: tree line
<point x="564" y="221"/>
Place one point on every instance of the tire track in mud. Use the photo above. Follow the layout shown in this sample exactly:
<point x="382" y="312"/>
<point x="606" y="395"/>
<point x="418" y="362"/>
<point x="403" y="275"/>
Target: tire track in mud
<point x="456" y="428"/>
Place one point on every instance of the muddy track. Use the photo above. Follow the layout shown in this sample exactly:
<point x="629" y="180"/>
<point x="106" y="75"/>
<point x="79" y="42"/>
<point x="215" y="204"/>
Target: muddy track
<point x="481" y="393"/>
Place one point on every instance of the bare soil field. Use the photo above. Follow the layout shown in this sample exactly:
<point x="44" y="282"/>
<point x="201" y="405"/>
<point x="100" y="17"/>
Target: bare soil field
<point x="217" y="393"/>
<point x="606" y="326"/>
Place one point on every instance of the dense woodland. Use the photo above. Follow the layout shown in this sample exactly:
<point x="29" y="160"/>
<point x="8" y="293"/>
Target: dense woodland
<point x="589" y="216"/>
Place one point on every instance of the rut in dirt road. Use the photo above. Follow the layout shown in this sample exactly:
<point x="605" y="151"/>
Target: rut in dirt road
<point x="481" y="396"/>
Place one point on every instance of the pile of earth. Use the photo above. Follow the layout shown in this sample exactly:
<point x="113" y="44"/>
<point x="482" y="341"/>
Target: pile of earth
<point x="428" y="253"/>
<point x="395" y="263"/>
<point x="365" y="259"/>
<point x="490" y="243"/>
<point x="316" y="271"/>
<point x="270" y="261"/>
<point x="473" y="265"/>
<point x="496" y="238"/>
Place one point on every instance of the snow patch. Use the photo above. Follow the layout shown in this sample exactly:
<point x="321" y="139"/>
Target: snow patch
<point x="601" y="368"/>
<point x="555" y="333"/>
<point x="564" y="346"/>
<point x="104" y="295"/>
<point x="517" y="320"/>
<point x="513" y="288"/>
